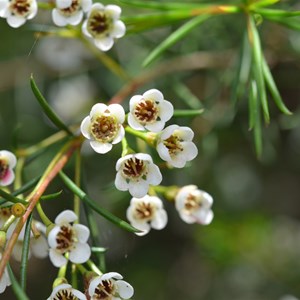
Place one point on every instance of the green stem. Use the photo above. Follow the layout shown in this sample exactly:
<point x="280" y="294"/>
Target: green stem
<point x="42" y="215"/>
<point x="77" y="182"/>
<point x="62" y="271"/>
<point x="148" y="137"/>
<point x="81" y="269"/>
<point x="93" y="267"/>
<point x="6" y="225"/>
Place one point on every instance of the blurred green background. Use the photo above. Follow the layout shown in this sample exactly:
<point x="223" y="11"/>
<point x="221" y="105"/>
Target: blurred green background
<point x="251" y="251"/>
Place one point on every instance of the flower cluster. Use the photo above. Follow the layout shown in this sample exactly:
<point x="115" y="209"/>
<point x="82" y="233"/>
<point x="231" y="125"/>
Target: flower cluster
<point x="136" y="172"/>
<point x="101" y="23"/>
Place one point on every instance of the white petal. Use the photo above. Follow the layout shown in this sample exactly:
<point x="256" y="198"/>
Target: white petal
<point x="190" y="151"/>
<point x="63" y="3"/>
<point x="109" y="275"/>
<point x="85" y="127"/>
<point x="163" y="152"/>
<point x="189" y="219"/>
<point x="66" y="216"/>
<point x="117" y="110"/>
<point x="84" y="29"/>
<point x="101" y="147"/>
<point x="80" y="254"/>
<point x="118" y="30"/>
<point x="119" y="136"/>
<point x="125" y="289"/>
<point x="60" y="287"/>
<point x="8" y="179"/>
<point x="155" y="127"/>
<point x="78" y="294"/>
<point x="138" y="189"/>
<point x="15" y="21"/>
<point x="133" y="123"/>
<point x="177" y="162"/>
<point x="11" y="158"/>
<point x="113" y="10"/>
<point x="154" y="176"/>
<point x="143" y="227"/>
<point x="3" y="5"/>
<point x="58" y="19"/>
<point x="121" y="160"/>
<point x="34" y="10"/>
<point x="75" y="19"/>
<point x="105" y="43"/>
<point x="168" y="131"/>
<point x="57" y="258"/>
<point x="160" y="221"/>
<point x="166" y="110"/>
<point x="154" y="95"/>
<point x="39" y="247"/>
<point x="143" y="156"/>
<point x="86" y="5"/>
<point x="120" y="182"/>
<point x="98" y="109"/>
<point x="52" y="236"/>
<point x="204" y="216"/>
<point x="17" y="251"/>
<point x="93" y="285"/>
<point x="185" y="133"/>
<point x="82" y="232"/>
<point x="134" y="101"/>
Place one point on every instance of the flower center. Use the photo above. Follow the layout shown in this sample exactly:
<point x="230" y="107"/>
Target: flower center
<point x="173" y="144"/>
<point x="105" y="290"/>
<point x="98" y="23"/>
<point x="5" y="212"/>
<point x="65" y="239"/>
<point x="134" y="168"/>
<point x="72" y="9"/>
<point x="146" y="111"/>
<point x="192" y="203"/>
<point x="3" y="168"/>
<point x="20" y="7"/>
<point x="144" y="211"/>
<point x="65" y="295"/>
<point x="104" y="128"/>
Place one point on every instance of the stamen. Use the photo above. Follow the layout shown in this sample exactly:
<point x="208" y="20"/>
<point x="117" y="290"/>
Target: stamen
<point x="98" y="23"/>
<point x="72" y="9"/>
<point x="65" y="295"/>
<point x="134" y="167"/>
<point x="20" y="7"/>
<point x="146" y="111"/>
<point x="104" y="128"/>
<point x="144" y="211"/>
<point x="3" y="168"/>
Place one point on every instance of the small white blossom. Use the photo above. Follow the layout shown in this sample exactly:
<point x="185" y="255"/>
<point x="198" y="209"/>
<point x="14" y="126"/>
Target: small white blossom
<point x="149" y="111"/>
<point x="17" y="12"/>
<point x="66" y="237"/>
<point x="4" y="280"/>
<point x="103" y="25"/>
<point x="109" y="286"/>
<point x="175" y="145"/>
<point x="103" y="127"/>
<point x="7" y="163"/>
<point x="66" y="292"/>
<point x="194" y="205"/>
<point x="70" y="11"/>
<point x="135" y="172"/>
<point x="146" y="213"/>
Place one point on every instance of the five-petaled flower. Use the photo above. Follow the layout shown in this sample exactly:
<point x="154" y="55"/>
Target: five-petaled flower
<point x="149" y="111"/>
<point x="175" y="145"/>
<point x="70" y="11"/>
<point x="103" y="127"/>
<point x="135" y="172"/>
<point x="67" y="292"/>
<point x="109" y="286"/>
<point x="144" y="213"/>
<point x="66" y="237"/>
<point x="7" y="163"/>
<point x="4" y="280"/>
<point x="103" y="25"/>
<point x="194" y="205"/>
<point x="17" y="12"/>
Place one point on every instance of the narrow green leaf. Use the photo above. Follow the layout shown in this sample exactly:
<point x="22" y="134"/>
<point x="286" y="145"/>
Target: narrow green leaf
<point x="20" y="294"/>
<point x="92" y="204"/>
<point x="257" y="67"/>
<point x="252" y="104"/>
<point x="273" y="88"/>
<point x="11" y="198"/>
<point x="186" y="95"/>
<point x="25" y="253"/>
<point x="267" y="12"/>
<point x="51" y="196"/>
<point x="98" y="250"/>
<point x="47" y="109"/>
<point x="26" y="187"/>
<point x="188" y="113"/>
<point x="174" y="38"/>
<point x="289" y="23"/>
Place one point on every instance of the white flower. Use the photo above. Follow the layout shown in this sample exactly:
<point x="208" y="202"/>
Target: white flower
<point x="109" y="286"/>
<point x="66" y="237"/>
<point x="66" y="292"/>
<point x="103" y="25"/>
<point x="149" y="111"/>
<point x="144" y="213"/>
<point x="135" y="172"/>
<point x="70" y="11"/>
<point x="17" y="12"/>
<point x="7" y="163"/>
<point x="194" y="205"/>
<point x="175" y="145"/>
<point x="103" y="127"/>
<point x="4" y="280"/>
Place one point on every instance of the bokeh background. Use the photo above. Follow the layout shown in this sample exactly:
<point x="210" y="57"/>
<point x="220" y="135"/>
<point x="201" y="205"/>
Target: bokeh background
<point x="251" y="251"/>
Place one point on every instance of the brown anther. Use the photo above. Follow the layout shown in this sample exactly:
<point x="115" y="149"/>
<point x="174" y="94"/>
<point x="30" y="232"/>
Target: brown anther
<point x="104" y="128"/>
<point x="104" y="290"/>
<point x="192" y="203"/>
<point x="3" y="168"/>
<point x="144" y="211"/>
<point x="73" y="8"/>
<point x="20" y="7"/>
<point x="65" y="295"/>
<point x="146" y="112"/>
<point x="65" y="239"/>
<point x="173" y="144"/>
<point x="98" y="23"/>
<point x="134" y="167"/>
